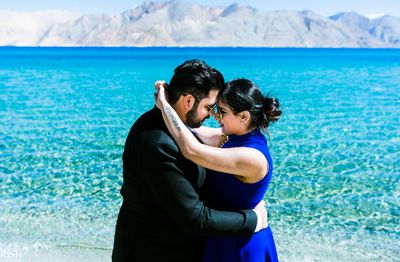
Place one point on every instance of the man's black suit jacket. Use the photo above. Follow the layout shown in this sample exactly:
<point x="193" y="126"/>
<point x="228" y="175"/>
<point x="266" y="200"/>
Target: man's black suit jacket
<point x="162" y="217"/>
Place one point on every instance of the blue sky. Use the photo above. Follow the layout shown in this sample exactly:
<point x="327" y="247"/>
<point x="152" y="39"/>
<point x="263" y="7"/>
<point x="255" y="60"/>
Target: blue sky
<point x="323" y="7"/>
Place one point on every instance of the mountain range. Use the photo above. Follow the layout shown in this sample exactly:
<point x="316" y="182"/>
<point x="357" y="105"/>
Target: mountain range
<point x="180" y="23"/>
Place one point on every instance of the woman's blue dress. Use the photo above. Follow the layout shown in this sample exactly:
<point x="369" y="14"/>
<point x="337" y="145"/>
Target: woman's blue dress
<point x="225" y="192"/>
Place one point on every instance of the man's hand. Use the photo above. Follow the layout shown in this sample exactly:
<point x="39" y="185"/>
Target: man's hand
<point x="262" y="220"/>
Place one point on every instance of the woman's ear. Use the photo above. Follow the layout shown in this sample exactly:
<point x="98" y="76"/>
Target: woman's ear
<point x="244" y="117"/>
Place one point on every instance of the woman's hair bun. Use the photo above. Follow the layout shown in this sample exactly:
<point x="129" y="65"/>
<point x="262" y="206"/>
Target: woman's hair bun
<point x="271" y="109"/>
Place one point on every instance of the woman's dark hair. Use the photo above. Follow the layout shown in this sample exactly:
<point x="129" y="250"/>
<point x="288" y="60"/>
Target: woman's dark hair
<point x="242" y="94"/>
<point x="194" y="77"/>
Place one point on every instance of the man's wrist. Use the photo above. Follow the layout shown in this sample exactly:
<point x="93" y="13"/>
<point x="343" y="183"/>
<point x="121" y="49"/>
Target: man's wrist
<point x="259" y="221"/>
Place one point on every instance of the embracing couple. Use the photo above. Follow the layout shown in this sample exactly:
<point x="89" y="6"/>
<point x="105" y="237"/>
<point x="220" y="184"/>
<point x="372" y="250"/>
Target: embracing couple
<point x="193" y="193"/>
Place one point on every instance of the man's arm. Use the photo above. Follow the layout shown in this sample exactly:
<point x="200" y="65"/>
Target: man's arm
<point x="174" y="192"/>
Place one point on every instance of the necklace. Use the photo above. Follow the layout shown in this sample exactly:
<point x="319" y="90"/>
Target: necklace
<point x="222" y="140"/>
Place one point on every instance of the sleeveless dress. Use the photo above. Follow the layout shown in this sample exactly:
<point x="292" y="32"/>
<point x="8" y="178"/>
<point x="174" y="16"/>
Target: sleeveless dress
<point x="225" y="192"/>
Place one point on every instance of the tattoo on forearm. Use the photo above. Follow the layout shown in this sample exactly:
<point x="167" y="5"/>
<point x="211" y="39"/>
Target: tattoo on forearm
<point x="168" y="110"/>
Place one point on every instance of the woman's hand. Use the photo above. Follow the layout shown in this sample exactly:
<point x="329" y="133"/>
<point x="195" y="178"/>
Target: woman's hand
<point x="160" y="95"/>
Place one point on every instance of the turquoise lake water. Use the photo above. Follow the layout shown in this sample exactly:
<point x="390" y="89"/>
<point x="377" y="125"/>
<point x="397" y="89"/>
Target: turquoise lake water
<point x="65" y="114"/>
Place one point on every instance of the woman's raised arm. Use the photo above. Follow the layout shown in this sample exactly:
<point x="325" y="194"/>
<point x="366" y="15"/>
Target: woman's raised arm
<point x="248" y="164"/>
<point x="209" y="135"/>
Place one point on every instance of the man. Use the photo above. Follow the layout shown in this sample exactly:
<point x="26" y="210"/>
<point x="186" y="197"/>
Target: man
<point x="162" y="217"/>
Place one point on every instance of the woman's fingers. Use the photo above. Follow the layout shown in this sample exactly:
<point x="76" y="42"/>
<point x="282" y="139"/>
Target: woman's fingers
<point x="159" y="83"/>
<point x="160" y="94"/>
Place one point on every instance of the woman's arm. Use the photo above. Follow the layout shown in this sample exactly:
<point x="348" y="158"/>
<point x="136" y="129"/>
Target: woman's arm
<point x="249" y="164"/>
<point x="210" y="136"/>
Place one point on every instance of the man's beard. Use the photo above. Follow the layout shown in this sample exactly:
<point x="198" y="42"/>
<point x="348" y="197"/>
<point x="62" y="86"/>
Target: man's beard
<point x="192" y="119"/>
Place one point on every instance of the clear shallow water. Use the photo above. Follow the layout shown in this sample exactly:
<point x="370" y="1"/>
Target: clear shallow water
<point x="65" y="114"/>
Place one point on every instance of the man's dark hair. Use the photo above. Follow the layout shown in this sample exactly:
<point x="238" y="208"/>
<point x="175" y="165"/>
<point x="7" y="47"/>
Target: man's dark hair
<point x="194" y="77"/>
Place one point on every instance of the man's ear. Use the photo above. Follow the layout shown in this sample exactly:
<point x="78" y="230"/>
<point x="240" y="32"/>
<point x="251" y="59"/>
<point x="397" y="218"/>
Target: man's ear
<point x="188" y="101"/>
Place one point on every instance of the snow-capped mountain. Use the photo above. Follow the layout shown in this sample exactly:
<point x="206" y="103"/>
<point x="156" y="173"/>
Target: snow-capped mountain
<point x="179" y="23"/>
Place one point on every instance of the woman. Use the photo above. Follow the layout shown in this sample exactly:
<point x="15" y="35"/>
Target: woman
<point x="239" y="171"/>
